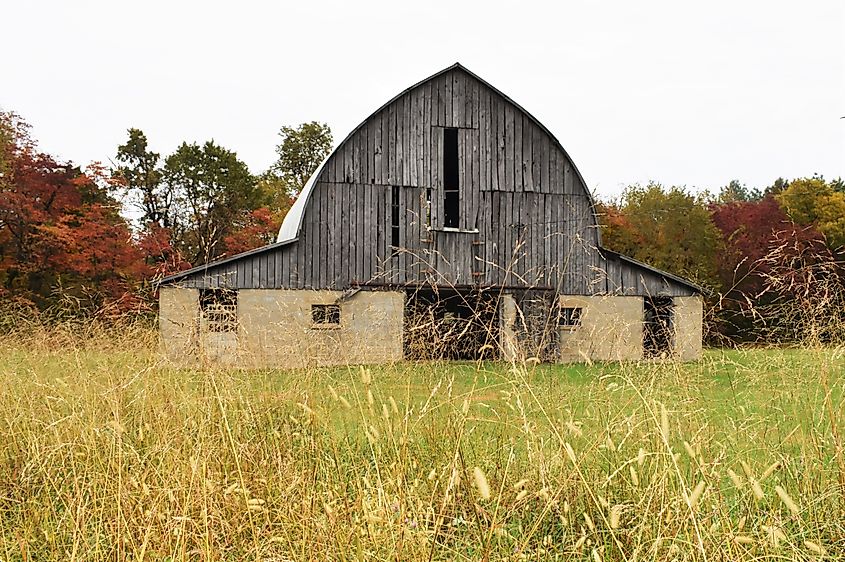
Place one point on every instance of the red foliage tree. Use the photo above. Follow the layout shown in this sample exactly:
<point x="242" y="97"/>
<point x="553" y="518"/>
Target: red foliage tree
<point x="258" y="228"/>
<point x="59" y="228"/>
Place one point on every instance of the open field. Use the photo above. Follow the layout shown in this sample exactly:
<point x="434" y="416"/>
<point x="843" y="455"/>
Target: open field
<point x="107" y="453"/>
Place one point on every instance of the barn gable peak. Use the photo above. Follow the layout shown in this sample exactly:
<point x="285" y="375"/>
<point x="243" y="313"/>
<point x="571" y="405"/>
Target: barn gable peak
<point x="292" y="224"/>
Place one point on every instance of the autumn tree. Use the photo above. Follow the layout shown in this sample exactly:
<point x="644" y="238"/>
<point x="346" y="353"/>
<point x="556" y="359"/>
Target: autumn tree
<point x="667" y="228"/>
<point x="736" y="191"/>
<point x="60" y="228"/>
<point x="814" y="201"/>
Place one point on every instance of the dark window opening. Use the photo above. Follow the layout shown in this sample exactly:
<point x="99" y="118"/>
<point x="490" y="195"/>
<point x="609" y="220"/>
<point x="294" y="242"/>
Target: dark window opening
<point x="394" y="218"/>
<point x="569" y="317"/>
<point x="451" y="185"/>
<point x="658" y="328"/>
<point x="219" y="310"/>
<point x="450" y="210"/>
<point x="325" y="315"/>
<point x="428" y="209"/>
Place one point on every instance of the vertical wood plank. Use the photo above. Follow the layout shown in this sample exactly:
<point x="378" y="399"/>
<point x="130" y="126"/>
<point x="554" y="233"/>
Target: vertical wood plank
<point x="447" y="116"/>
<point x="542" y="163"/>
<point x="410" y="131"/>
<point x="518" y="184"/>
<point x="361" y="214"/>
<point x="472" y="102"/>
<point x="527" y="155"/>
<point x="483" y="139"/>
<point x="509" y="183"/>
<point x="393" y="146"/>
<point x="458" y="95"/>
<point x="499" y="109"/>
<point x="377" y="149"/>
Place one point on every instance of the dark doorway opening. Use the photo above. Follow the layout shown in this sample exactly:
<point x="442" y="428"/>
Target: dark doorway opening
<point x="658" y="328"/>
<point x="451" y="324"/>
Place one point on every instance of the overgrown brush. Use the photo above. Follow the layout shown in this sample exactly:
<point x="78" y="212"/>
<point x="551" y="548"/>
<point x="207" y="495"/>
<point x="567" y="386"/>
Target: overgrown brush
<point x="108" y="455"/>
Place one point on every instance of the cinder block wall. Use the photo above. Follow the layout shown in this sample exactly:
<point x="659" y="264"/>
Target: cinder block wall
<point x="178" y="321"/>
<point x="276" y="328"/>
<point x="611" y="329"/>
<point x="689" y="320"/>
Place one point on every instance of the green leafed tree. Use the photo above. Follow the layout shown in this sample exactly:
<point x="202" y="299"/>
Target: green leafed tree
<point x="213" y="192"/>
<point x="300" y="151"/>
<point x="737" y="192"/>
<point x="140" y="170"/>
<point x="667" y="228"/>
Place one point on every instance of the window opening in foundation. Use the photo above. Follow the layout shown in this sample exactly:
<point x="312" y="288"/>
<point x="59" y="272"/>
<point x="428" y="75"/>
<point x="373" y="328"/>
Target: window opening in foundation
<point x="219" y="310"/>
<point x="569" y="317"/>
<point x="325" y="315"/>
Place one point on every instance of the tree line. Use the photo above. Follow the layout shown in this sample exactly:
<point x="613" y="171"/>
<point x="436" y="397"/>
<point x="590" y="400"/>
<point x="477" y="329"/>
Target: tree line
<point x="770" y="260"/>
<point x="96" y="238"/>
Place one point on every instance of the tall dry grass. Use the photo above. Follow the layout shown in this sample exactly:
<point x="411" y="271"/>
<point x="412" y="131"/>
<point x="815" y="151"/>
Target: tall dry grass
<point x="108" y="453"/>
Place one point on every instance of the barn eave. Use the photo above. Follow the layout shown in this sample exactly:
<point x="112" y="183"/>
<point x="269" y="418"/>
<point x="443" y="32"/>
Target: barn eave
<point x="205" y="267"/>
<point x="665" y="274"/>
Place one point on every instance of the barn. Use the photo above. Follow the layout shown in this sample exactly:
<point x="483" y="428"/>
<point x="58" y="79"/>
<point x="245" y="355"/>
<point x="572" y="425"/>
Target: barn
<point x="449" y="224"/>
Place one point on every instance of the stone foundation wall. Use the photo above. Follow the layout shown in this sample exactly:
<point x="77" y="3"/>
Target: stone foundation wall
<point x="178" y="321"/>
<point x="689" y="321"/>
<point x="611" y="329"/>
<point x="276" y="328"/>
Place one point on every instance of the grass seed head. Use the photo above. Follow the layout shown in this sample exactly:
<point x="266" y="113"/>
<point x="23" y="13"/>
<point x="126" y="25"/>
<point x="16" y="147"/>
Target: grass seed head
<point x="756" y="489"/>
<point x="695" y="495"/>
<point x="787" y="501"/>
<point x="570" y="452"/>
<point x="815" y="548"/>
<point x="481" y="483"/>
<point x="635" y="479"/>
<point x="769" y="471"/>
<point x="616" y="516"/>
<point x="737" y="481"/>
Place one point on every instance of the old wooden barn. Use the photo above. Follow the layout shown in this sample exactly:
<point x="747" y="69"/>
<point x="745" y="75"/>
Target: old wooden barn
<point x="450" y="223"/>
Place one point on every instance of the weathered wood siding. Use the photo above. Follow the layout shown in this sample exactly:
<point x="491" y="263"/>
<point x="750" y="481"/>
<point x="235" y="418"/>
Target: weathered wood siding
<point x="526" y="219"/>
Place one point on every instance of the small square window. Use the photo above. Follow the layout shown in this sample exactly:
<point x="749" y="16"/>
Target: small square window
<point x="569" y="317"/>
<point x="325" y="315"/>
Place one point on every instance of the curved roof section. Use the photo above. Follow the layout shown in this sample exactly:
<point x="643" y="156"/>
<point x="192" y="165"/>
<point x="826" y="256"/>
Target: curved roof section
<point x="292" y="222"/>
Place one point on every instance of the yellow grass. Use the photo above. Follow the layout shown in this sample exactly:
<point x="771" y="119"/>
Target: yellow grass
<point x="108" y="453"/>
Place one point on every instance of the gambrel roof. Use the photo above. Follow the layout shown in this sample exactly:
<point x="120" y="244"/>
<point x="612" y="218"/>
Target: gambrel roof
<point x="331" y="172"/>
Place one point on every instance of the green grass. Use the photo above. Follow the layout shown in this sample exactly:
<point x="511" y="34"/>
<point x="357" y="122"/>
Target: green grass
<point x="108" y="453"/>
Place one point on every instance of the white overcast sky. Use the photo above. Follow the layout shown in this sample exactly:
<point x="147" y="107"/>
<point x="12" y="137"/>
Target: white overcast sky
<point x="684" y="93"/>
